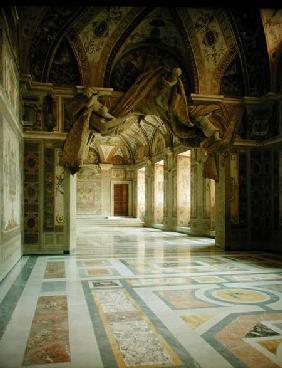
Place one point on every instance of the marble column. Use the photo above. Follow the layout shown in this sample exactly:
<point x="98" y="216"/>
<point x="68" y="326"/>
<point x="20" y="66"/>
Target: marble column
<point x="200" y="196"/>
<point x="149" y="193"/>
<point x="106" y="189"/>
<point x="170" y="190"/>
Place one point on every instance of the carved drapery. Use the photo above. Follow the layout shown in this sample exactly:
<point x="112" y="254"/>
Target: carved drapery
<point x="157" y="92"/>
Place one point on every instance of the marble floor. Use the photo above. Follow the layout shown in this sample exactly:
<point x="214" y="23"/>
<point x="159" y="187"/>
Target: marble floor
<point x="134" y="297"/>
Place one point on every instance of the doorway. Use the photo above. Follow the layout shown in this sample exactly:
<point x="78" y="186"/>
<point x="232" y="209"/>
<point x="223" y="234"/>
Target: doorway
<point x="121" y="199"/>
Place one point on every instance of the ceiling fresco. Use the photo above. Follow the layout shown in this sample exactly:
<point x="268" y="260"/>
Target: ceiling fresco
<point x="272" y="24"/>
<point x="220" y="51"/>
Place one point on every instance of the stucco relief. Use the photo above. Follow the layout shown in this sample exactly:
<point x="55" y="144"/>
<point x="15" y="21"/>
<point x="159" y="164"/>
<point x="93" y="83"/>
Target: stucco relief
<point x="11" y="179"/>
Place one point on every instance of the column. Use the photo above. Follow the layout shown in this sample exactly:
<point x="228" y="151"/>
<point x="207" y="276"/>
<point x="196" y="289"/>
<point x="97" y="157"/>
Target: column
<point x="149" y="193"/>
<point x="133" y="175"/>
<point x="70" y="211"/>
<point x="106" y="189"/>
<point x="200" y="196"/>
<point x="222" y="204"/>
<point x="170" y="190"/>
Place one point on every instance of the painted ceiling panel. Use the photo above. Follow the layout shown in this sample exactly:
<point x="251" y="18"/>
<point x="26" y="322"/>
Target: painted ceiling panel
<point x="102" y="26"/>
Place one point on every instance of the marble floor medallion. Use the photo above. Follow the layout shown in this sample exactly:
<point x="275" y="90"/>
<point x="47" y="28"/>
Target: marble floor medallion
<point x="142" y="298"/>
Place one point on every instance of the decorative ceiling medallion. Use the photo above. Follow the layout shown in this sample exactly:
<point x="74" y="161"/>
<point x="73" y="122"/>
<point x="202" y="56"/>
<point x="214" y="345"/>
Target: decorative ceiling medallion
<point x="210" y="38"/>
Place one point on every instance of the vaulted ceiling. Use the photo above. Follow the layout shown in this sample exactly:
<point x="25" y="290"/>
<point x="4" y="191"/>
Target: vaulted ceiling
<point x="221" y="51"/>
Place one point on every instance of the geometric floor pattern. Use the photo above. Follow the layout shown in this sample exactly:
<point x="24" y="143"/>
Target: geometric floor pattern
<point x="136" y="297"/>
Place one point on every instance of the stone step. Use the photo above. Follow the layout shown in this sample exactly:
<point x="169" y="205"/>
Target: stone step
<point x="84" y="221"/>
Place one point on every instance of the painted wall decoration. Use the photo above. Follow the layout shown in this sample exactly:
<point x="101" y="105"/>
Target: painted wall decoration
<point x="32" y="113"/>
<point x="89" y="197"/>
<point x="54" y="22"/>
<point x="59" y="192"/>
<point x="158" y="144"/>
<point x="248" y="27"/>
<point x="49" y="182"/>
<point x="93" y="157"/>
<point x="209" y="44"/>
<point x="119" y="156"/>
<point x="107" y="151"/>
<point x="141" y="152"/>
<point x="31" y="192"/>
<point x="100" y="28"/>
<point x="272" y="23"/>
<point x="64" y="68"/>
<point x="118" y="174"/>
<point x="11" y="179"/>
<point x="232" y="83"/>
<point x="159" y="27"/>
<point x="89" y="190"/>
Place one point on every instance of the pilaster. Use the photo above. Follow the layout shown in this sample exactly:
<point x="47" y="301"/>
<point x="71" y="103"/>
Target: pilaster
<point x="222" y="204"/>
<point x="106" y="188"/>
<point x="149" y="193"/>
<point x="200" y="195"/>
<point x="170" y="190"/>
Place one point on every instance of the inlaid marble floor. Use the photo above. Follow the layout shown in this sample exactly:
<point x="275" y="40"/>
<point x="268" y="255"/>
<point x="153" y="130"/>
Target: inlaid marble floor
<point x="134" y="297"/>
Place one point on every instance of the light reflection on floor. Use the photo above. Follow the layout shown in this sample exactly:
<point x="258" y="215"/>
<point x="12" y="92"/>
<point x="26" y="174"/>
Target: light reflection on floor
<point x="134" y="297"/>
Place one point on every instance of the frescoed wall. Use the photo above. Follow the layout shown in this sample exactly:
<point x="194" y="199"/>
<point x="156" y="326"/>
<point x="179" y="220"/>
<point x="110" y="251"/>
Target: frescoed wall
<point x="88" y="193"/>
<point x="11" y="179"/>
<point x="93" y="194"/>
<point x="10" y="157"/>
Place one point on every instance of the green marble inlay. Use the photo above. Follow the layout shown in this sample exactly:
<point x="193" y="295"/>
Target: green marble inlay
<point x="50" y="286"/>
<point x="12" y="297"/>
